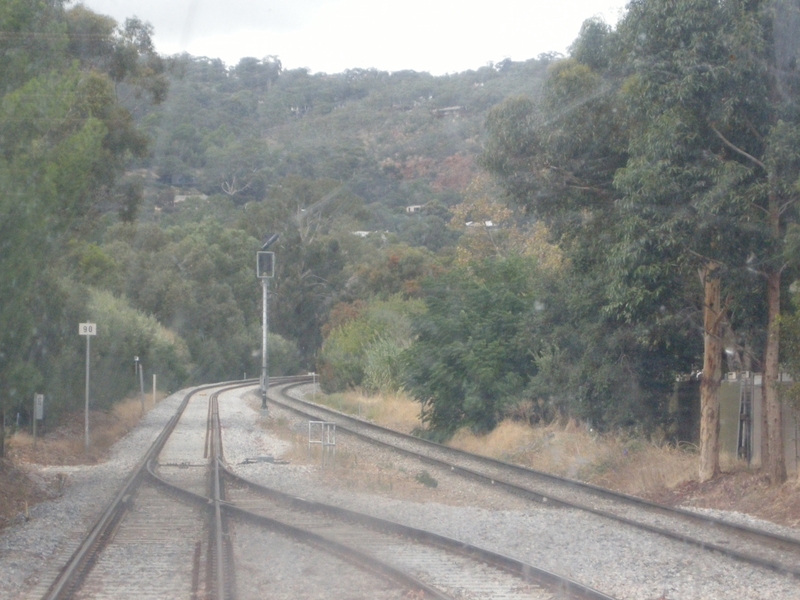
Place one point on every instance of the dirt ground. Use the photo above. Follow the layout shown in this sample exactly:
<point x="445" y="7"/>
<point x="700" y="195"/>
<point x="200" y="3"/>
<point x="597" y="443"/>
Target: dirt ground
<point x="744" y="492"/>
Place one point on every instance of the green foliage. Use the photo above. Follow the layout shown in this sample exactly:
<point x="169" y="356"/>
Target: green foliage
<point x="364" y="348"/>
<point x="198" y="279"/>
<point x="65" y="140"/>
<point x="473" y="355"/>
<point x="123" y="333"/>
<point x="425" y="478"/>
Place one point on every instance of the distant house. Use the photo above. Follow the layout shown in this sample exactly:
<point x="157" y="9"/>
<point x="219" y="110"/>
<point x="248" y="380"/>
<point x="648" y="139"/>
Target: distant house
<point x="486" y="224"/>
<point x="413" y="209"/>
<point x="184" y="198"/>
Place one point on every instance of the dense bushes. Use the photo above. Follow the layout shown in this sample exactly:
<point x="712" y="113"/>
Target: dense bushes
<point x="365" y="347"/>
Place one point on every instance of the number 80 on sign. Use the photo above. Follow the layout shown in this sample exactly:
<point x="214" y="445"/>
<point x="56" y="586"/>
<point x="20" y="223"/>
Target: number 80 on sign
<point x="87" y="329"/>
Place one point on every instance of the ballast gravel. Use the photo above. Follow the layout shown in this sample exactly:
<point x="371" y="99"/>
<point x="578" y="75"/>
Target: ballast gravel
<point x="32" y="552"/>
<point x="620" y="561"/>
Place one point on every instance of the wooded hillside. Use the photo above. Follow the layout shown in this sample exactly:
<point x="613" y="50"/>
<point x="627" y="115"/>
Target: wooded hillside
<point x="561" y="236"/>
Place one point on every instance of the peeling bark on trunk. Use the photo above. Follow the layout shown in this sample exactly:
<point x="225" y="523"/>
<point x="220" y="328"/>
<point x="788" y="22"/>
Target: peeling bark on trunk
<point x="712" y="372"/>
<point x="775" y="461"/>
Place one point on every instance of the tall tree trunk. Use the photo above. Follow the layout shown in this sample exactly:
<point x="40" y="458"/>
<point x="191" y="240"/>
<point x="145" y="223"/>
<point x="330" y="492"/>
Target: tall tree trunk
<point x="712" y="372"/>
<point x="776" y="462"/>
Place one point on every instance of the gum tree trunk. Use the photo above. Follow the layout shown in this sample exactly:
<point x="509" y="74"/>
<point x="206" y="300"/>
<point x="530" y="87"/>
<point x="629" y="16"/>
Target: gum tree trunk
<point x="712" y="372"/>
<point x="776" y="462"/>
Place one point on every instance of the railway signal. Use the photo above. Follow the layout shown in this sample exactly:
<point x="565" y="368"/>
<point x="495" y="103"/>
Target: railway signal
<point x="265" y="270"/>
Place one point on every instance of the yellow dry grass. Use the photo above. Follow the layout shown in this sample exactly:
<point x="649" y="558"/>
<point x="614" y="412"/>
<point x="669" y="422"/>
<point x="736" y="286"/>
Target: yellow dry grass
<point x="569" y="449"/>
<point x="630" y="465"/>
<point x="65" y="445"/>
<point x="396" y="411"/>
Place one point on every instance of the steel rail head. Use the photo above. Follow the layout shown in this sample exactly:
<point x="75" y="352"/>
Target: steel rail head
<point x="772" y="565"/>
<point x="517" y="567"/>
<point x="81" y="560"/>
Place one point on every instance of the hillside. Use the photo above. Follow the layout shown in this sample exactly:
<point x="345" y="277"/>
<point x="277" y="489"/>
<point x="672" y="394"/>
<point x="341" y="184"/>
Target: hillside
<point x="394" y="139"/>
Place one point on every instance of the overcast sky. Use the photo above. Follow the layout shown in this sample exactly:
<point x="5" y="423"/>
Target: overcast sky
<point x="438" y="36"/>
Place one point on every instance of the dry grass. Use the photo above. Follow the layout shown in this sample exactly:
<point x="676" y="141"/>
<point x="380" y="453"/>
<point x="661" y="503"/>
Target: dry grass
<point x="396" y="411"/>
<point x="633" y="466"/>
<point x="648" y="468"/>
<point x="65" y="445"/>
<point x="62" y="446"/>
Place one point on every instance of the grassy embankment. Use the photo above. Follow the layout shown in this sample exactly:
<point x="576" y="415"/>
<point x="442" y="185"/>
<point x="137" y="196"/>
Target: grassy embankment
<point x="566" y="448"/>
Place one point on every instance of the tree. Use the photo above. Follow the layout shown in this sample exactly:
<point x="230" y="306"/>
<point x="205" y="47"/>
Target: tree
<point x="65" y="140"/>
<point x="556" y="157"/>
<point x="491" y="228"/>
<point x="715" y="113"/>
<point x="315" y="219"/>
<point x="472" y="355"/>
<point x="364" y="342"/>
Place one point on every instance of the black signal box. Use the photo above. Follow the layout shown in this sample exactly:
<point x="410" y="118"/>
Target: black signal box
<point x="265" y="267"/>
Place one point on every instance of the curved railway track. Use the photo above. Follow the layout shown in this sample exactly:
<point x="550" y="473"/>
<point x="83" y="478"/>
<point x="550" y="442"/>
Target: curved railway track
<point x="754" y="546"/>
<point x="184" y="526"/>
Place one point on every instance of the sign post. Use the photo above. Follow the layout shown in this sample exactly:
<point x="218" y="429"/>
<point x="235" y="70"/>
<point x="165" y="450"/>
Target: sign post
<point x="138" y="370"/>
<point x="88" y="330"/>
<point x="38" y="413"/>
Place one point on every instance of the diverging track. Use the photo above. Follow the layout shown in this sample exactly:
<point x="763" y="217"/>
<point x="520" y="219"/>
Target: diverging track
<point x="757" y="547"/>
<point x="184" y="526"/>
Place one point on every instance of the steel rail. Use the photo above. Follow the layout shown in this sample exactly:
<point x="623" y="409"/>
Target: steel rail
<point x="217" y="526"/>
<point x="223" y="584"/>
<point x="545" y="498"/>
<point x="84" y="556"/>
<point x="516" y="567"/>
<point x="357" y="558"/>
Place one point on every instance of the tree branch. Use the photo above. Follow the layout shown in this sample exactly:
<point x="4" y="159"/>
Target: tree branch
<point x="785" y="206"/>
<point x="737" y="149"/>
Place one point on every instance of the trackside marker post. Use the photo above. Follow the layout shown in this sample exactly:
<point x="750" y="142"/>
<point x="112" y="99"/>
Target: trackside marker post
<point x="88" y="330"/>
<point x="38" y="413"/>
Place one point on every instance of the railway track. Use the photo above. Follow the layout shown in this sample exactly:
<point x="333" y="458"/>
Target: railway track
<point x="764" y="549"/>
<point x="184" y="526"/>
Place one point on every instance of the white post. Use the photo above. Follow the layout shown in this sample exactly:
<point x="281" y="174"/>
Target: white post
<point x="87" y="329"/>
<point x="141" y="385"/>
<point x="86" y="416"/>
<point x="154" y="389"/>
<point x="264" y="350"/>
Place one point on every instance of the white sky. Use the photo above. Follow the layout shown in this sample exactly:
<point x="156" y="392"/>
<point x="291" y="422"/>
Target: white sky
<point x="438" y="36"/>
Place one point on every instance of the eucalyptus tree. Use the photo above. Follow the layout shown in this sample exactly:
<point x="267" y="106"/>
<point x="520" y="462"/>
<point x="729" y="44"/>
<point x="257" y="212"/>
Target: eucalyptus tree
<point x="557" y="156"/>
<point x="315" y="219"/>
<point x="65" y="140"/>
<point x="472" y="357"/>
<point x="712" y="168"/>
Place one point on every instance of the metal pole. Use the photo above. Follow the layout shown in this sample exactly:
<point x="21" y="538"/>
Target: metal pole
<point x="86" y="420"/>
<point x="34" y="422"/>
<point x="264" y="351"/>
<point x="154" y="390"/>
<point x="141" y="384"/>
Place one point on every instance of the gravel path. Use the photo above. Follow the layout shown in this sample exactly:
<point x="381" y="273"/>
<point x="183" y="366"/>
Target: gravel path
<point x="624" y="563"/>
